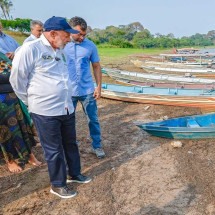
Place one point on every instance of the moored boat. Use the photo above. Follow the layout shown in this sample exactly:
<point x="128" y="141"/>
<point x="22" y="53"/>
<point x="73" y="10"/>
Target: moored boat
<point x="188" y="127"/>
<point x="142" y="77"/>
<point x="167" y="84"/>
<point x="163" y="96"/>
<point x="188" y="65"/>
<point x="178" y="70"/>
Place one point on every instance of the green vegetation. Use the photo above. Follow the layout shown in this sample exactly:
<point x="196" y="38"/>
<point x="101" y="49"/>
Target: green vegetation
<point x="135" y="36"/>
<point x="123" y="41"/>
<point x="22" y="25"/>
<point x="122" y="52"/>
<point x="113" y="55"/>
<point x="130" y="36"/>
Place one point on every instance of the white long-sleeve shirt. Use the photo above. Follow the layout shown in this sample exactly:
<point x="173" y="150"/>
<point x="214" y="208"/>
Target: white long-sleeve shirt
<point x="40" y="78"/>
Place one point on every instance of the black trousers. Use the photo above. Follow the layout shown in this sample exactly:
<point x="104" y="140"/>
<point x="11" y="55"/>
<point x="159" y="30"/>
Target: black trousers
<point x="58" y="139"/>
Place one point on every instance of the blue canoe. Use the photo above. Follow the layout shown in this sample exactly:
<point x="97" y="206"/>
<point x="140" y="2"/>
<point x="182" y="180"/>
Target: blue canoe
<point x="162" y="96"/>
<point x="188" y="127"/>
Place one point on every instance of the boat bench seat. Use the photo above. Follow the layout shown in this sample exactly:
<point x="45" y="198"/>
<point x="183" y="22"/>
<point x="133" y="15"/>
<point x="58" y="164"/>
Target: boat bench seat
<point x="192" y="123"/>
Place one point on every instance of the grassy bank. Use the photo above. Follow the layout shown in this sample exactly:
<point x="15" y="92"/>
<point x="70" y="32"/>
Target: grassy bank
<point x="119" y="55"/>
<point x="123" y="52"/>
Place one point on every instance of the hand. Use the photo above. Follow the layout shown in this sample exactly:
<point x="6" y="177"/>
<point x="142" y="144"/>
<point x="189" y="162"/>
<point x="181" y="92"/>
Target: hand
<point x="97" y="93"/>
<point x="10" y="55"/>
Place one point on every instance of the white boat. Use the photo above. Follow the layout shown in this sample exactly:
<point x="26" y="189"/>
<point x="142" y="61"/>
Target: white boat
<point x="183" y="57"/>
<point x="183" y="70"/>
<point x="175" y="65"/>
<point x="120" y="74"/>
<point x="139" y="63"/>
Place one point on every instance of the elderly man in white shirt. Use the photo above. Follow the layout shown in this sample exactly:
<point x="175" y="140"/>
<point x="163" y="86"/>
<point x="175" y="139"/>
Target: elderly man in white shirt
<point x="36" y="30"/>
<point x="7" y="44"/>
<point x="40" y="79"/>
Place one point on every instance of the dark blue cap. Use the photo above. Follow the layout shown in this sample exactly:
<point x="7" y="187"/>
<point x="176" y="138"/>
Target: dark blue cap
<point x="58" y="24"/>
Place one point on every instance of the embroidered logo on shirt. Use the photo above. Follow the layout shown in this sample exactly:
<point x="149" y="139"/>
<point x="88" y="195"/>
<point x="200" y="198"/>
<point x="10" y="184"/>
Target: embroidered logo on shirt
<point x="47" y="57"/>
<point x="64" y="59"/>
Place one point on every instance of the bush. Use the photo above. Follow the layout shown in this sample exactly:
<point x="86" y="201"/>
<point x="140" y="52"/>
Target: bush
<point x="120" y="43"/>
<point x="22" y="25"/>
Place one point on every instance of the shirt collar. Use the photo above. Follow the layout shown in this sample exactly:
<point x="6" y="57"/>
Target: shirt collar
<point x="33" y="36"/>
<point x="44" y="40"/>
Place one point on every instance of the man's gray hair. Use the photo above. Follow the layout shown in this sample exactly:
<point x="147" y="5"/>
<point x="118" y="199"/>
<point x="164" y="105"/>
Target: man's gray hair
<point x="78" y="21"/>
<point x="35" y="22"/>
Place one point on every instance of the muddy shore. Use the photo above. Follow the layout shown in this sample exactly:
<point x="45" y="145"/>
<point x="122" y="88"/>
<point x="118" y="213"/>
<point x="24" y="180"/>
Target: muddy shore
<point x="141" y="175"/>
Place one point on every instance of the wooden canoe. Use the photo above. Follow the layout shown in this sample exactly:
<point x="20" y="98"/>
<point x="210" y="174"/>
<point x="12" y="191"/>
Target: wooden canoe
<point x="163" y="96"/>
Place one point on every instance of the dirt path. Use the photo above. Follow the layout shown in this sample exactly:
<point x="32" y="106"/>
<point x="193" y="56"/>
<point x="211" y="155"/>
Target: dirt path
<point x="140" y="175"/>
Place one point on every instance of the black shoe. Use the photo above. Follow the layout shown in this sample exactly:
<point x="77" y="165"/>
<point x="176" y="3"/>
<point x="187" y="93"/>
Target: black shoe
<point x="63" y="192"/>
<point x="79" y="179"/>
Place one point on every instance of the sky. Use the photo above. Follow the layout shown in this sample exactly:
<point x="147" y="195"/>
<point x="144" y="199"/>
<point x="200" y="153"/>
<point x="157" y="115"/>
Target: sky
<point x="180" y="17"/>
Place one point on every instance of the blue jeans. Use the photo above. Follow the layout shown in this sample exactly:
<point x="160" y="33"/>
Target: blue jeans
<point x="58" y="138"/>
<point x="89" y="106"/>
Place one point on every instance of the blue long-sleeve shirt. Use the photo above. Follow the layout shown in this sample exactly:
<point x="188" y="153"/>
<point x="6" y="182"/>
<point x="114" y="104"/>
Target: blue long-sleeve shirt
<point x="7" y="44"/>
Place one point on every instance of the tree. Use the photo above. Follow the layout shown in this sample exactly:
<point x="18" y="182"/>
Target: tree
<point x="140" y="36"/>
<point x="22" y="25"/>
<point x="170" y="35"/>
<point x="2" y="5"/>
<point x="211" y="34"/>
<point x="158" y="35"/>
<point x="135" y="35"/>
<point x="6" y="6"/>
<point x="89" y="29"/>
<point x="136" y="27"/>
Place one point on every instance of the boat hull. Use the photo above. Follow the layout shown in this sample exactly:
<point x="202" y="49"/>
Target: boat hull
<point x="182" y="134"/>
<point x="166" y="85"/>
<point x="191" y="127"/>
<point x="178" y="70"/>
<point x="188" y="101"/>
<point x="141" y="77"/>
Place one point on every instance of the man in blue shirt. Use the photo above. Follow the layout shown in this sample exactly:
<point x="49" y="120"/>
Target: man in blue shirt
<point x="80" y="53"/>
<point x="7" y="44"/>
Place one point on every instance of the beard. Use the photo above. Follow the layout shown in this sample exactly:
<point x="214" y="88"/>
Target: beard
<point x="59" y="42"/>
<point x="74" y="41"/>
